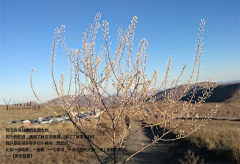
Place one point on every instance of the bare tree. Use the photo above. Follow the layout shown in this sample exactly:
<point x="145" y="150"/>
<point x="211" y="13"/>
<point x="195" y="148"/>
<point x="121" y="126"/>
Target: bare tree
<point x="134" y="89"/>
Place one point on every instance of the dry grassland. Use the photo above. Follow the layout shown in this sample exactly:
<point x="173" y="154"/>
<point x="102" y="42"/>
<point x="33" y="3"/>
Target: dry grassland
<point x="221" y="138"/>
<point x="51" y="157"/>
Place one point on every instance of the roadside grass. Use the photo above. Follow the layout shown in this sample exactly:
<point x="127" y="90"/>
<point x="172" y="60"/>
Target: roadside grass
<point x="50" y="156"/>
<point x="218" y="141"/>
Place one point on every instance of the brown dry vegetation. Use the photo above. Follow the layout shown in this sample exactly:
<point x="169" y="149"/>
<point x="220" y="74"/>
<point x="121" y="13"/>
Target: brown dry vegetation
<point x="22" y="114"/>
<point x="226" y="109"/>
<point x="221" y="138"/>
<point x="218" y="141"/>
<point x="57" y="157"/>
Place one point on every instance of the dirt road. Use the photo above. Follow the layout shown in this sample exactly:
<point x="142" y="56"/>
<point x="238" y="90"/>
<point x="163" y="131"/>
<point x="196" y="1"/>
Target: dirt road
<point x="158" y="153"/>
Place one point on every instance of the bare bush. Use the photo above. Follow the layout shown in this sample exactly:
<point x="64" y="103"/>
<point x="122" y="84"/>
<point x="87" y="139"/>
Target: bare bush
<point x="135" y="91"/>
<point x="191" y="158"/>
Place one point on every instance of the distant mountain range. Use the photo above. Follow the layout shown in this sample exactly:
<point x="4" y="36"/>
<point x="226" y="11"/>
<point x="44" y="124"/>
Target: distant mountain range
<point x="229" y="82"/>
<point x="83" y="101"/>
<point x="222" y="93"/>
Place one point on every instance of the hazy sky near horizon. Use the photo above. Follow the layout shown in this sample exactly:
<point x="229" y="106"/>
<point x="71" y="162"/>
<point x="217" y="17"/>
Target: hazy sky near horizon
<point x="170" y="27"/>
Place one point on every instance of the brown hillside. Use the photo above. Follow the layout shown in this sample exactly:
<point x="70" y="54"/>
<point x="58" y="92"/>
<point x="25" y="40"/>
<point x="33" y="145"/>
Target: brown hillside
<point x="222" y="93"/>
<point x="83" y="101"/>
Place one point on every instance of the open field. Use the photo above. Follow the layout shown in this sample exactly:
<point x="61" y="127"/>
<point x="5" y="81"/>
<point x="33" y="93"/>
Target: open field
<point x="218" y="141"/>
<point x="225" y="109"/>
<point x="23" y="113"/>
<point x="52" y="156"/>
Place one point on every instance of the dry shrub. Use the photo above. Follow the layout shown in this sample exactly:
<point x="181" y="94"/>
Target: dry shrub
<point x="222" y="138"/>
<point x="132" y="86"/>
<point x="191" y="158"/>
<point x="51" y="157"/>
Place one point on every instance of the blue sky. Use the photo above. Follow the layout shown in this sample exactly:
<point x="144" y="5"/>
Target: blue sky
<point x="170" y="27"/>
